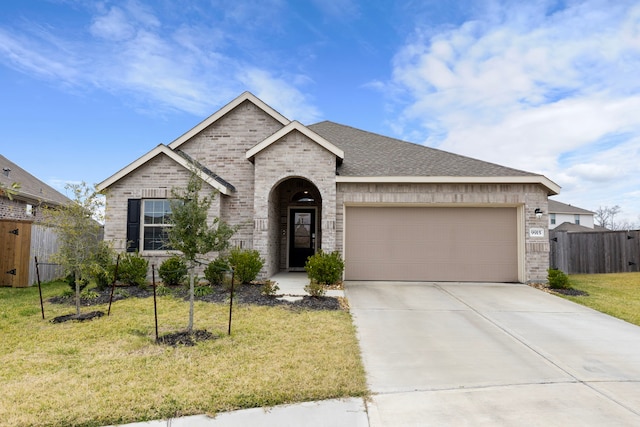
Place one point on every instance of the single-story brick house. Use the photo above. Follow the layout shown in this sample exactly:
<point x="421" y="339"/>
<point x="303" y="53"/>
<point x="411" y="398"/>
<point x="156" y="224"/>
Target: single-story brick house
<point x="394" y="210"/>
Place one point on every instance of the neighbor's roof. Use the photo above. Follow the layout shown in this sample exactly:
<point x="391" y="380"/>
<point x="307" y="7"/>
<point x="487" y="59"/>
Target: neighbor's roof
<point x="570" y="227"/>
<point x="368" y="156"/>
<point x="31" y="188"/>
<point x="559" y="207"/>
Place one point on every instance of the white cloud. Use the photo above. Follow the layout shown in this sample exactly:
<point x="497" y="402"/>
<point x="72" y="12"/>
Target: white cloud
<point x="549" y="91"/>
<point x="112" y="26"/>
<point x="160" y="64"/>
<point x="37" y="56"/>
<point x="281" y="95"/>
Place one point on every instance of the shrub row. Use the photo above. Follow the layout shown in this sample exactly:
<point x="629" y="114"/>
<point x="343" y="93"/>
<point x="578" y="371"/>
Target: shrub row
<point x="322" y="268"/>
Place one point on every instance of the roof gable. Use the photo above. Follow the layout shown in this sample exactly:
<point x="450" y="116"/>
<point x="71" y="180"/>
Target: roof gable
<point x="182" y="159"/>
<point x="295" y="125"/>
<point x="246" y="96"/>
<point x="31" y="188"/>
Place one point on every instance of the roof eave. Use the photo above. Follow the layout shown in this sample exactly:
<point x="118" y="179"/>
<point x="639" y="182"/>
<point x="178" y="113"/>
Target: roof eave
<point x="552" y="187"/>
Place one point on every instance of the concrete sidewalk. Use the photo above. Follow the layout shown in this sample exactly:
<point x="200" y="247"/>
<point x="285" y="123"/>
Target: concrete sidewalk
<point x="292" y="285"/>
<point x="327" y="413"/>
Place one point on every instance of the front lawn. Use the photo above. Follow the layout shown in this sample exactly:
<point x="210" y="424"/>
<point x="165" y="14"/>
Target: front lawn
<point x="110" y="370"/>
<point x="615" y="294"/>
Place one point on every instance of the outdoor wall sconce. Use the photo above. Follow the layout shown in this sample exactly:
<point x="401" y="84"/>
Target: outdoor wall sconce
<point x="538" y="213"/>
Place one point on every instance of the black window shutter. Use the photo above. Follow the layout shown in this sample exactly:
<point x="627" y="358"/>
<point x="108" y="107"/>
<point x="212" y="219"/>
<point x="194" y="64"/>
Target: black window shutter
<point x="133" y="225"/>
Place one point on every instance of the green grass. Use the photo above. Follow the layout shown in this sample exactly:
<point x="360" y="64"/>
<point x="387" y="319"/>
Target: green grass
<point x="615" y="294"/>
<point x="110" y="370"/>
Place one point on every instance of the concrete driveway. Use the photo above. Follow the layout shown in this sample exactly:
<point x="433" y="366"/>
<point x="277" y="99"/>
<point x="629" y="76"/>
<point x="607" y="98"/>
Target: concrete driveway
<point x="492" y="354"/>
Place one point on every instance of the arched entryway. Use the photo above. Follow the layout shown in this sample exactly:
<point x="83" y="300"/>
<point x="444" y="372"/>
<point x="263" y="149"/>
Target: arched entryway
<point x="297" y="205"/>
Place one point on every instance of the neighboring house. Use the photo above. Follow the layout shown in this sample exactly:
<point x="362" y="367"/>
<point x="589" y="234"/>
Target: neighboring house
<point x="394" y="210"/>
<point x="23" y="236"/>
<point x="560" y="213"/>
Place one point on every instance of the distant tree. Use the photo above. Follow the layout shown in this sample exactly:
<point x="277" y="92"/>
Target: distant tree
<point x="78" y="230"/>
<point x="191" y="234"/>
<point x="605" y="216"/>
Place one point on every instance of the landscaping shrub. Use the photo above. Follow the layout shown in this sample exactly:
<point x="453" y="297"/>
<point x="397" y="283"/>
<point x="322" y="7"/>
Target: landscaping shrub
<point x="162" y="290"/>
<point x="557" y="279"/>
<point x="315" y="289"/>
<point x="246" y="264"/>
<point x="270" y="288"/>
<point x="202" y="290"/>
<point x="173" y="271"/>
<point x="132" y="269"/>
<point x="103" y="267"/>
<point x="325" y="268"/>
<point x="214" y="273"/>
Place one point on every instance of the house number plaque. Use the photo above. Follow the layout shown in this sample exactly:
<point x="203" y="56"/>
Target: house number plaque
<point x="536" y="232"/>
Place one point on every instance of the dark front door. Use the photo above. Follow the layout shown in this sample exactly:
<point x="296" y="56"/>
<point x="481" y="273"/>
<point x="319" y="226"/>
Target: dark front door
<point x="302" y="236"/>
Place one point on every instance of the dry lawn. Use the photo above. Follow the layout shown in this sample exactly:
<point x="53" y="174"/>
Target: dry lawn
<point x="615" y="294"/>
<point x="110" y="370"/>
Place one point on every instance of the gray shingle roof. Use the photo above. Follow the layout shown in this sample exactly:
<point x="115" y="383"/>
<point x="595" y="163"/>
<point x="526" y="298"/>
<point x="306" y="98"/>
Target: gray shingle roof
<point x="559" y="207"/>
<point x="576" y="228"/>
<point x="31" y="188"/>
<point x="370" y="154"/>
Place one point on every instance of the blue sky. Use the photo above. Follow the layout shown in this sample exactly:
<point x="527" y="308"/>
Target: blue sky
<point x="551" y="87"/>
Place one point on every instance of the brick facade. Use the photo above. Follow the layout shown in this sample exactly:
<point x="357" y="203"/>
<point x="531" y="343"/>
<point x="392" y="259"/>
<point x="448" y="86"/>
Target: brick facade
<point x="17" y="210"/>
<point x="222" y="147"/>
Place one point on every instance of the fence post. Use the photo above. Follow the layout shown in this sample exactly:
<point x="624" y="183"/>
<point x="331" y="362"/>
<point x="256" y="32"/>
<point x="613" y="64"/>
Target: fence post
<point x="39" y="287"/>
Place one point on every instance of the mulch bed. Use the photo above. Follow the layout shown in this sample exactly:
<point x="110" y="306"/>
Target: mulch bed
<point x="244" y="294"/>
<point x="567" y="291"/>
<point x="79" y="317"/>
<point x="186" y="338"/>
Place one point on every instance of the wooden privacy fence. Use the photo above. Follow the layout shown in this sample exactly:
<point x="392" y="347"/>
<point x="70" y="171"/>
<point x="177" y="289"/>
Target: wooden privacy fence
<point x="595" y="252"/>
<point x="44" y="243"/>
<point x="20" y="242"/>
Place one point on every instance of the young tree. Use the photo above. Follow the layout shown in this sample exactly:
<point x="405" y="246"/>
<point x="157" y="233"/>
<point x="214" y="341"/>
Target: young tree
<point x="191" y="234"/>
<point x="10" y="190"/>
<point x="78" y="230"/>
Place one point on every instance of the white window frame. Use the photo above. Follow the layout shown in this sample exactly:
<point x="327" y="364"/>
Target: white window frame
<point x="161" y="225"/>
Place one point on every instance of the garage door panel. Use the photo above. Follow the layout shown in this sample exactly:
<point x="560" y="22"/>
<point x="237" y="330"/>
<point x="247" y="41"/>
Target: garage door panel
<point x="433" y="244"/>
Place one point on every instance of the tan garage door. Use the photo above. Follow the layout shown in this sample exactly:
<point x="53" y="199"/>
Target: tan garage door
<point x="433" y="244"/>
